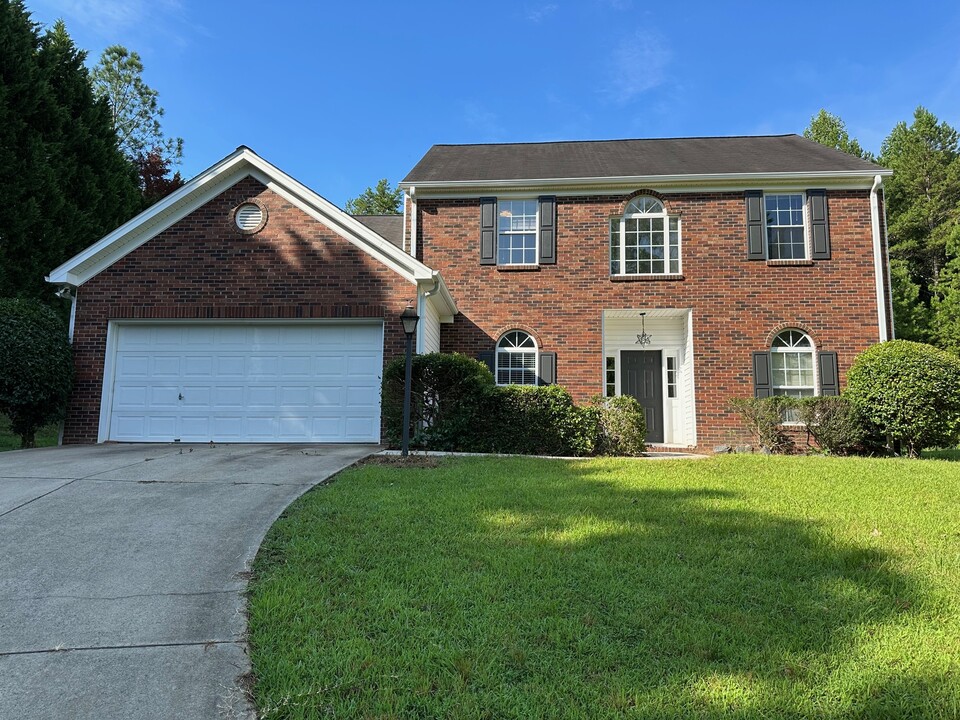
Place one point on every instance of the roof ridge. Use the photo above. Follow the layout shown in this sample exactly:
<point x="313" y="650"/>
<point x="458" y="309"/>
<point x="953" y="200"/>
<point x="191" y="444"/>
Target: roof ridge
<point x="613" y="140"/>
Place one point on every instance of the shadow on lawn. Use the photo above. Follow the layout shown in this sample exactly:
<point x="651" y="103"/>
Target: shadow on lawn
<point x="692" y="593"/>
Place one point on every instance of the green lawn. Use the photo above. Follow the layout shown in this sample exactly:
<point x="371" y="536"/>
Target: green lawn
<point x="740" y="586"/>
<point x="45" y="436"/>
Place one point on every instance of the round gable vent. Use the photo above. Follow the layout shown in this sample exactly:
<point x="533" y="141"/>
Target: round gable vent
<point x="249" y="217"/>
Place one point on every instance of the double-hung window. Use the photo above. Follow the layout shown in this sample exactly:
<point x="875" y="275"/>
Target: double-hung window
<point x="517" y="232"/>
<point x="786" y="226"/>
<point x="645" y="240"/>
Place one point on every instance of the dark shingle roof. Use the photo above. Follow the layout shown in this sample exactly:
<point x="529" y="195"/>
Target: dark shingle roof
<point x="631" y="158"/>
<point x="389" y="227"/>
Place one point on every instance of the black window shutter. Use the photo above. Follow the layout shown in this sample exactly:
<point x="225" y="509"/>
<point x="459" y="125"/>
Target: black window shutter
<point x="829" y="376"/>
<point x="548" y="230"/>
<point x="761" y="375"/>
<point x="488" y="231"/>
<point x="486" y="357"/>
<point x="548" y="368"/>
<point x="756" y="249"/>
<point x="819" y="224"/>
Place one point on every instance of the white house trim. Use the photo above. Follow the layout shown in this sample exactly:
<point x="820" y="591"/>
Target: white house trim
<point x="213" y="181"/>
<point x="878" y="265"/>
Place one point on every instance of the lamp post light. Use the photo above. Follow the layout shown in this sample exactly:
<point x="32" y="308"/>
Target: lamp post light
<point x="409" y="318"/>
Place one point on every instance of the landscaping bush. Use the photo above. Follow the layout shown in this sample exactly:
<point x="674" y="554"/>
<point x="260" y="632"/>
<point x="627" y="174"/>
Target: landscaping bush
<point x="540" y="420"/>
<point x="834" y="422"/>
<point x="909" y="394"/>
<point x="763" y="418"/>
<point x="621" y="425"/>
<point x="450" y="400"/>
<point x="36" y="367"/>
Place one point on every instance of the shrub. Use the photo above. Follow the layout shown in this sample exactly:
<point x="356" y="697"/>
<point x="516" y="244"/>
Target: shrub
<point x="621" y="425"/>
<point x="834" y="422"/>
<point x="909" y="393"/>
<point x="763" y="417"/>
<point x="540" y="420"/>
<point x="36" y="367"/>
<point x="449" y="400"/>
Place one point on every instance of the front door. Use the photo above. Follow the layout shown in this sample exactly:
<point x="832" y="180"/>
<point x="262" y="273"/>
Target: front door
<point x="641" y="375"/>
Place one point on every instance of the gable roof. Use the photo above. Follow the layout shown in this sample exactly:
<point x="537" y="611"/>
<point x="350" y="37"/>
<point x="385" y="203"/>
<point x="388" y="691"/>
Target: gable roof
<point x="214" y="180"/>
<point x="708" y="157"/>
<point x="389" y="227"/>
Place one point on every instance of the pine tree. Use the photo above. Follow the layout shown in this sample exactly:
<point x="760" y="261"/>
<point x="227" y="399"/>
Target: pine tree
<point x="828" y="129"/>
<point x="376" y="201"/>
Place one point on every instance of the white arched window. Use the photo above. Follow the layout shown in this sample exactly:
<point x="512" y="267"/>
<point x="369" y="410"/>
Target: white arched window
<point x="516" y="362"/>
<point x="792" y="364"/>
<point x="645" y="240"/>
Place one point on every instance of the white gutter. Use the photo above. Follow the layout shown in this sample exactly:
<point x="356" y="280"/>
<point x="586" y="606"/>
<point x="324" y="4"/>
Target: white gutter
<point x="651" y="179"/>
<point x="878" y="259"/>
<point x="886" y="247"/>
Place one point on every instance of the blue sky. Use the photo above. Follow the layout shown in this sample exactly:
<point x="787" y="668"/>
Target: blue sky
<point x="340" y="94"/>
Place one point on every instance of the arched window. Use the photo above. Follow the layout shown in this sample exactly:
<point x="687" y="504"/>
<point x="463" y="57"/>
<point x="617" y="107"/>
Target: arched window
<point x="792" y="364"/>
<point x="516" y="359"/>
<point x="645" y="240"/>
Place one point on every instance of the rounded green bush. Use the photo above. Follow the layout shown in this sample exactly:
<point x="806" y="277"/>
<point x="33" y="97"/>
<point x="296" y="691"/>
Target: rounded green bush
<point x="36" y="366"/>
<point x="621" y="425"/>
<point x="909" y="393"/>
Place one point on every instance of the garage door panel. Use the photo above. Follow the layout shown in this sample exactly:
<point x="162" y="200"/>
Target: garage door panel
<point x="247" y="383"/>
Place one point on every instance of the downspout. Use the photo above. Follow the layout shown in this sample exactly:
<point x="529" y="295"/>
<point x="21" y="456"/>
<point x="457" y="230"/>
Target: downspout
<point x="878" y="259"/>
<point x="886" y="247"/>
<point x="413" y="221"/>
<point x="403" y="236"/>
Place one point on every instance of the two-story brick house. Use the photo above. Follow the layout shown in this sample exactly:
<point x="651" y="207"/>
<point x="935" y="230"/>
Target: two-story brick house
<point x="684" y="272"/>
<point x="245" y="307"/>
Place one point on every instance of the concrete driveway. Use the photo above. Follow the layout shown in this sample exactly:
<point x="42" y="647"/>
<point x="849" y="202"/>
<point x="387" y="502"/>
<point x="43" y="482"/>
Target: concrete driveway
<point x="122" y="569"/>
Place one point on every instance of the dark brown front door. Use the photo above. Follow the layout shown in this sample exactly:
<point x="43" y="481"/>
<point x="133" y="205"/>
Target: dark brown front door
<point x="641" y="375"/>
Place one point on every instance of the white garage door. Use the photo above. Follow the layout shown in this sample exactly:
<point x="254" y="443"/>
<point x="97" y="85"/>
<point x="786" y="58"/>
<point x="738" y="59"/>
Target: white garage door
<point x="246" y="383"/>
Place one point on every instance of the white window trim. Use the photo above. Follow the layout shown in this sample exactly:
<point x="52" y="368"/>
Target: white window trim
<point x="815" y="365"/>
<point x="622" y="244"/>
<point x="804" y="205"/>
<point x="536" y="357"/>
<point x="536" y="233"/>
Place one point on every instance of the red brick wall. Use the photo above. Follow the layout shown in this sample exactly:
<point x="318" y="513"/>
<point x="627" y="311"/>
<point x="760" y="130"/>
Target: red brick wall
<point x="736" y="303"/>
<point x="204" y="267"/>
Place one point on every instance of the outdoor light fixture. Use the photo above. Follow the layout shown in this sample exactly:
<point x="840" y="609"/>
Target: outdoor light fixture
<point x="409" y="318"/>
<point x="643" y="339"/>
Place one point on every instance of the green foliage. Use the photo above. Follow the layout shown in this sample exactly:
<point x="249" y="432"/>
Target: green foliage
<point x="36" y="366"/>
<point x="450" y="396"/>
<point x="923" y="210"/>
<point x="908" y="393"/>
<point x="134" y="105"/>
<point x="828" y="129"/>
<point x="540" y="420"/>
<point x="63" y="180"/>
<point x="763" y="418"/>
<point x="381" y="200"/>
<point x="621" y="425"/>
<point x="834" y="422"/>
<point x="911" y="316"/>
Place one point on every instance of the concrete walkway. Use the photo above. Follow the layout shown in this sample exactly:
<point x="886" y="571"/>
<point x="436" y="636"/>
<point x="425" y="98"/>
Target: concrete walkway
<point x="122" y="569"/>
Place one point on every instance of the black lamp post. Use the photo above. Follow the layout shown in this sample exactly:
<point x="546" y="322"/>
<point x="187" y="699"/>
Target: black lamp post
<point x="409" y="318"/>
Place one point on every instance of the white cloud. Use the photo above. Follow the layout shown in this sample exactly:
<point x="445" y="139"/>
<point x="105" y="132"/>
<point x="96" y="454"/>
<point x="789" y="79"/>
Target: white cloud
<point x="637" y="66"/>
<point x="119" y="21"/>
<point x="539" y="13"/>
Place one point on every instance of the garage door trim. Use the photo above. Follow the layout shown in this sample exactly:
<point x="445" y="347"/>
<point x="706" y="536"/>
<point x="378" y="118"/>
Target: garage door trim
<point x="112" y="345"/>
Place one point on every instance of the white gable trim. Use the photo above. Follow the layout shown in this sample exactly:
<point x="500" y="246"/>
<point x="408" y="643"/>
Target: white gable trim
<point x="213" y="181"/>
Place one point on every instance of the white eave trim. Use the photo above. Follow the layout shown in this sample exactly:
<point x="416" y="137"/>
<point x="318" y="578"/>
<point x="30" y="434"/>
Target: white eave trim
<point x="853" y="178"/>
<point x="210" y="183"/>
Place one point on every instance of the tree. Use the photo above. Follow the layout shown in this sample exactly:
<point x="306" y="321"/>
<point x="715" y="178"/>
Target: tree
<point x="135" y="106"/>
<point x="153" y="170"/>
<point x="377" y="201"/>
<point x="63" y="180"/>
<point x="923" y="208"/>
<point x="36" y="366"/>
<point x="828" y="129"/>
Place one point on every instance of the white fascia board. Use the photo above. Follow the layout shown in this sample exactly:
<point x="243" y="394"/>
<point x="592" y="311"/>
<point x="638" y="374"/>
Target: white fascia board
<point x="713" y="181"/>
<point x="207" y="185"/>
<point x="435" y="291"/>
